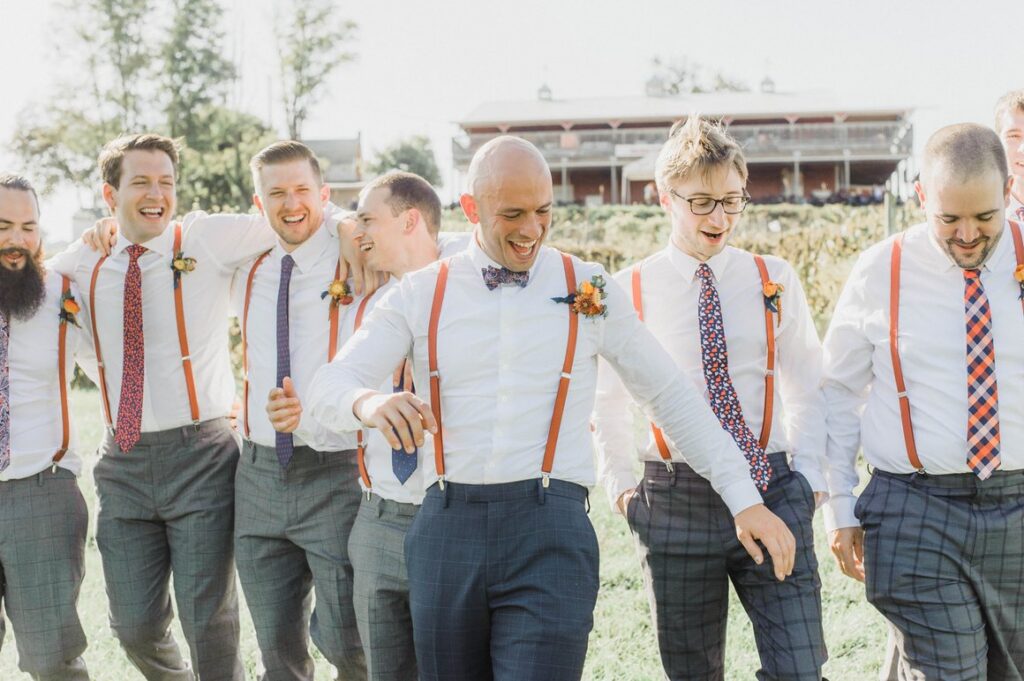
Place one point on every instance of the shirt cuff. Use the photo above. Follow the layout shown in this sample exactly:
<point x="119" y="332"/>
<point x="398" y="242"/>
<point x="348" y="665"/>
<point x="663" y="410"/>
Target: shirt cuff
<point x="339" y="416"/>
<point x="740" y="495"/>
<point x="838" y="513"/>
<point x="813" y="475"/>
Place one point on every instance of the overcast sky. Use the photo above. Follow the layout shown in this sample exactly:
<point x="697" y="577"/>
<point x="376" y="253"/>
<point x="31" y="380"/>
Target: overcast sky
<point x="424" y="65"/>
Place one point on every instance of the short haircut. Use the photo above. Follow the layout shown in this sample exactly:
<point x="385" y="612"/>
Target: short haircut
<point x="283" y="152"/>
<point x="18" y="183"/>
<point x="409" y="190"/>
<point x="961" y="152"/>
<point x="113" y="153"/>
<point x="696" y="146"/>
<point x="1010" y="102"/>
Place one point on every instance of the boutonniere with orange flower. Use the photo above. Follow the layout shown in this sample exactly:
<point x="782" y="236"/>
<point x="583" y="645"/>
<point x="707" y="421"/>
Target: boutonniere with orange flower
<point x="772" y="292"/>
<point x="339" y="293"/>
<point x="69" y="307"/>
<point x="181" y="265"/>
<point x="587" y="300"/>
<point x="1018" y="274"/>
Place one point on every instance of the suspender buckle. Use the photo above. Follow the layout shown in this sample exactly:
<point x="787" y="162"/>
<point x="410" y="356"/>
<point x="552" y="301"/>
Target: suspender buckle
<point x="566" y="375"/>
<point x="769" y="372"/>
<point x="902" y="395"/>
<point x="195" y="425"/>
<point x="435" y="374"/>
<point x="545" y="480"/>
<point x="669" y="466"/>
<point x="440" y="482"/>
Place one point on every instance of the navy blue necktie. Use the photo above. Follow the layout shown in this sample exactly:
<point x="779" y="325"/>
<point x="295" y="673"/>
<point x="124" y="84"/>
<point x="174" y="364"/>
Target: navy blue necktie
<point x="283" y="441"/>
<point x="401" y="463"/>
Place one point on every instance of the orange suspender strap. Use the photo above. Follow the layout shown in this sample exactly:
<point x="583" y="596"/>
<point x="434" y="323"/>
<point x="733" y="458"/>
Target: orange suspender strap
<point x="638" y="305"/>
<point x="1018" y="249"/>
<point x="332" y="340"/>
<point x="245" y="345"/>
<point x="894" y="351"/>
<point x="769" y="372"/>
<point x="563" y="381"/>
<point x="179" y="313"/>
<point x="360" y="440"/>
<point x="435" y="377"/>
<point x="96" y="342"/>
<point x="62" y="343"/>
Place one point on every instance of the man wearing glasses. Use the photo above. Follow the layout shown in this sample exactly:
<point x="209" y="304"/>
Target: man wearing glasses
<point x="734" y="323"/>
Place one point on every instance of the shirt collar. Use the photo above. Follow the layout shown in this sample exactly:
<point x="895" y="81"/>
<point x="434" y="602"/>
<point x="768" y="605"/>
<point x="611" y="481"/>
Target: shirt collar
<point x="161" y="244"/>
<point x="309" y="251"/>
<point x="481" y="260"/>
<point x="687" y="265"/>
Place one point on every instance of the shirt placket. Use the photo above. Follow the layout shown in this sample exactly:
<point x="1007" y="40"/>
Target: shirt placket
<point x="504" y="426"/>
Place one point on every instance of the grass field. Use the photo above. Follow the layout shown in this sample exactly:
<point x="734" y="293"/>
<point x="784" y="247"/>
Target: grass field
<point x="622" y="644"/>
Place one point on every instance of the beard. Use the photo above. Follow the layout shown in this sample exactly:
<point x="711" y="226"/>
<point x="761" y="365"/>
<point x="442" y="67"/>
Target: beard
<point x="22" y="291"/>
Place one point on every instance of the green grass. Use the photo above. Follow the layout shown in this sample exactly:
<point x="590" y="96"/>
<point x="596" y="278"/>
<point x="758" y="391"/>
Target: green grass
<point x="622" y="646"/>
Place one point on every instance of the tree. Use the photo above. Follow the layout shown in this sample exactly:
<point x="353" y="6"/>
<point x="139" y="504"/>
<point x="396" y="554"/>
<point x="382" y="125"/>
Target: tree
<point x="413" y="155"/>
<point x="310" y="47"/>
<point x="681" y="76"/>
<point x="195" y="74"/>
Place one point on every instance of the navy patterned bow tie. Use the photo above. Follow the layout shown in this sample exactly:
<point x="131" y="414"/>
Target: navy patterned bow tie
<point x="496" y="276"/>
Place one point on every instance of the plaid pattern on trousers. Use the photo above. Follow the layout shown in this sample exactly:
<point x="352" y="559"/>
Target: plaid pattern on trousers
<point x="43" y="520"/>
<point x="687" y="542"/>
<point x="944" y="562"/>
<point x="377" y="549"/>
<point x="166" y="510"/>
<point x="503" y="581"/>
<point x="292" y="527"/>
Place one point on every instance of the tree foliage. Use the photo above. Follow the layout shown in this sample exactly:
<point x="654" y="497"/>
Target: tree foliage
<point x="413" y="155"/>
<point x="312" y="44"/>
<point x="681" y="76"/>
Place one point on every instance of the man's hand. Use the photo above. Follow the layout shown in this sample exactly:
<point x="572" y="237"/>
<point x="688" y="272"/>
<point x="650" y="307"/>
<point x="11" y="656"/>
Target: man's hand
<point x="758" y="523"/>
<point x="101" y="236"/>
<point x="622" y="503"/>
<point x="365" y="279"/>
<point x="847" y="544"/>
<point x="400" y="417"/>
<point x="284" y="408"/>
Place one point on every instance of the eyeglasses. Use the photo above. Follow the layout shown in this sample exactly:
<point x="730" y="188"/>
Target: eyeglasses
<point x="705" y="205"/>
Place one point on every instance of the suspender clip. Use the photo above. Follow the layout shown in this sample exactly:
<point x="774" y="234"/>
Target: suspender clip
<point x="195" y="425"/>
<point x="545" y="480"/>
<point x="53" y="467"/>
<point x="367" y="491"/>
<point x="669" y="466"/>
<point x="440" y="482"/>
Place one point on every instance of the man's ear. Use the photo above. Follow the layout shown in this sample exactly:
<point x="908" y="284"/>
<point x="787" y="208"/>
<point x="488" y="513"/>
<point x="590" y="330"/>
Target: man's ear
<point x="110" y="197"/>
<point x="469" y="207"/>
<point x="325" y="193"/>
<point x="412" y="218"/>
<point x="919" y="190"/>
<point x="665" y="199"/>
<point x="259" y="204"/>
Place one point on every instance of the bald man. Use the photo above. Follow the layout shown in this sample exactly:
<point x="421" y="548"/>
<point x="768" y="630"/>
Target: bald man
<point x="504" y="336"/>
<point x="936" y="534"/>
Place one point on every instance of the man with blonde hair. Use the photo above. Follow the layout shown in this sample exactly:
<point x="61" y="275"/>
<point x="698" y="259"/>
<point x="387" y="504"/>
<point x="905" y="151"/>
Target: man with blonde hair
<point x="1010" y="128"/>
<point x="718" y="311"/>
<point x="922" y="367"/>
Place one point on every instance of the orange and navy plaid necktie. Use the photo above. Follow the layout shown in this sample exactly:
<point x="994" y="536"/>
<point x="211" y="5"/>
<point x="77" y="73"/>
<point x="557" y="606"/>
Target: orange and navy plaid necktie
<point x="982" y="392"/>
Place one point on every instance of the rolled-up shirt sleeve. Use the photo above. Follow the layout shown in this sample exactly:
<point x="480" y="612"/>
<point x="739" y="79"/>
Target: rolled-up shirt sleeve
<point x="669" y="399"/>
<point x="366" y="359"/>
<point x="847" y="373"/>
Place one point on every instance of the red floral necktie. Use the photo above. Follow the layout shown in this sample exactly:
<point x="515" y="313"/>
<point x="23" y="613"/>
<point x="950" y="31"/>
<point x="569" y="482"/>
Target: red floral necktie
<point x="982" y="392"/>
<point x="129" y="410"/>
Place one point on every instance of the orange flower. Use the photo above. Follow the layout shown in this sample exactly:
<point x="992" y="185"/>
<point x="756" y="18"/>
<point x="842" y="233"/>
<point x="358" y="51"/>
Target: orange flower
<point x="1018" y="274"/>
<point x="771" y="289"/>
<point x="71" y="306"/>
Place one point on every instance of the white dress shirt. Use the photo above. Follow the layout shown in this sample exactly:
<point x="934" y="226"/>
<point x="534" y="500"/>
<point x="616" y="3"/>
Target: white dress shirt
<point x="671" y="292"/>
<point x="500" y="354"/>
<point x="308" y="333"/>
<point x="1015" y="209"/>
<point x="858" y="373"/>
<point x="36" y="426"/>
<point x="219" y="244"/>
<point x="378" y="451"/>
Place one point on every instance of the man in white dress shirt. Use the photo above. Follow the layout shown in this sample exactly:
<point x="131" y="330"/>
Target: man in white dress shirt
<point x="165" y="481"/>
<point x="922" y="370"/>
<point x="758" y="361"/>
<point x="43" y="517"/>
<point x="1010" y="128"/>
<point x="504" y="337"/>
<point x="296" y="496"/>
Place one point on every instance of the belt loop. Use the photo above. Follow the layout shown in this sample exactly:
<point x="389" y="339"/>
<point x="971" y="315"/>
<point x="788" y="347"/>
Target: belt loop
<point x="321" y="457"/>
<point x="39" y="478"/>
<point x="252" y="449"/>
<point x="672" y="476"/>
<point x="587" y="500"/>
<point x="541" y="492"/>
<point x="444" y="493"/>
<point x="379" y="505"/>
